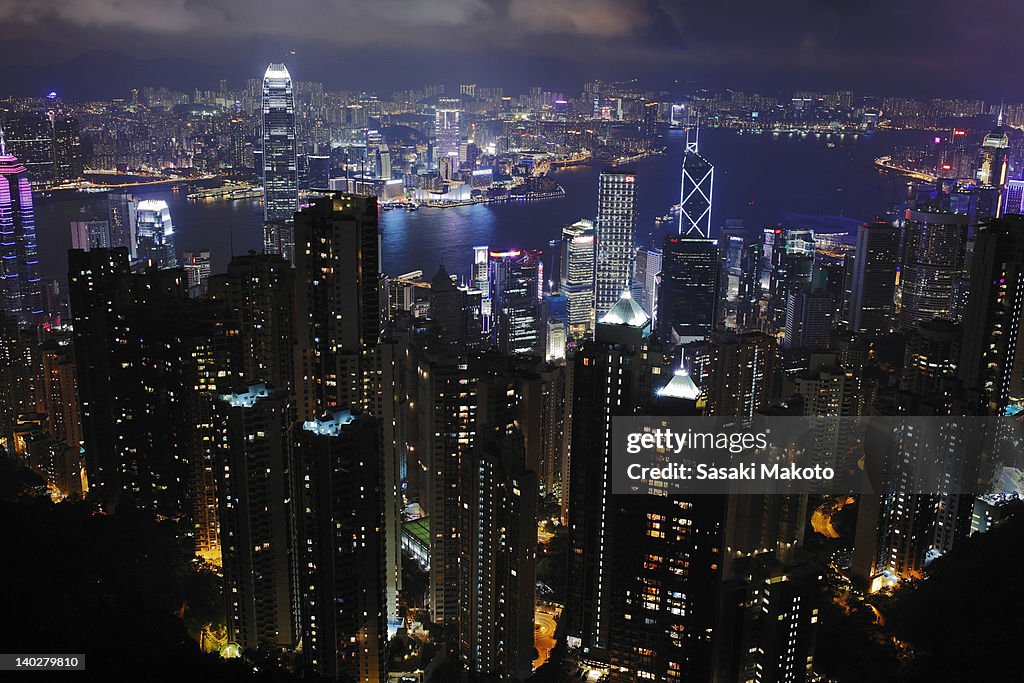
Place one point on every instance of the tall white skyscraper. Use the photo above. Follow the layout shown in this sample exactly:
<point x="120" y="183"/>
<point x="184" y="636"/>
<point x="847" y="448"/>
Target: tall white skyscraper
<point x="155" y="233"/>
<point x="280" y="178"/>
<point x="616" y="234"/>
<point x="695" y="192"/>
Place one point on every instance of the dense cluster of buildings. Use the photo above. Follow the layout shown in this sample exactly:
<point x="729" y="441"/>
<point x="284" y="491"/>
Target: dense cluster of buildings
<point x="297" y="412"/>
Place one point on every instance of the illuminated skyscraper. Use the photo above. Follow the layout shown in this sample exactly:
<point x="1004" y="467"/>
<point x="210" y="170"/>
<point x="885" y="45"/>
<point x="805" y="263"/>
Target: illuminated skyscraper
<point x="447" y="120"/>
<point x="337" y="306"/>
<point x="645" y="281"/>
<point x="48" y="144"/>
<point x="519" y="312"/>
<point x="154" y="234"/>
<point x="258" y="290"/>
<point x="21" y="292"/>
<point x="874" y="278"/>
<point x="740" y="287"/>
<point x="792" y="269"/>
<point x="339" y="545"/>
<point x="688" y="289"/>
<point x="280" y="176"/>
<point x="740" y="377"/>
<point x="810" y="316"/>
<point x="257" y="494"/>
<point x="992" y="356"/>
<point x="481" y="503"/>
<point x="1014" y="201"/>
<point x="578" y="277"/>
<point x="932" y="356"/>
<point x="616" y="234"/>
<point x="146" y="404"/>
<point x="992" y="161"/>
<point x="933" y="255"/>
<point x="695" y="192"/>
<point x="123" y="212"/>
<point x="643" y="568"/>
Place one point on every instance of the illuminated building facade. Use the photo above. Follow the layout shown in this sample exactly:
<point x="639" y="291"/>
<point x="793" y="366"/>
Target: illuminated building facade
<point x="933" y="255"/>
<point x="932" y="356"/>
<point x="688" y="289"/>
<point x="197" y="267"/>
<point x="645" y="282"/>
<point x="740" y="377"/>
<point x="257" y="290"/>
<point x="810" y="314"/>
<point x="48" y="143"/>
<point x="337" y="307"/>
<point x="616" y="235"/>
<point x="257" y="493"/>
<point x="146" y="405"/>
<point x="792" y="269"/>
<point x="992" y="360"/>
<point x="154" y="234"/>
<point x="481" y="501"/>
<point x="122" y="217"/>
<point x="643" y="568"/>
<point x="88" y="234"/>
<point x="740" y="286"/>
<point x="770" y="622"/>
<point x="577" y="281"/>
<point x="340" y="545"/>
<point x="519" y="320"/>
<point x="1013" y="203"/>
<point x="21" y="292"/>
<point x="447" y="130"/>
<point x="874" y="278"/>
<point x="696" y="191"/>
<point x="280" y="175"/>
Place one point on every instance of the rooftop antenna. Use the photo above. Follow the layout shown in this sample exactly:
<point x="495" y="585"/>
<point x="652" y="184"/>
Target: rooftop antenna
<point x="691" y="145"/>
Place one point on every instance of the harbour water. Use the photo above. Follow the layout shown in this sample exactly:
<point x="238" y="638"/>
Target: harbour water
<point x="824" y="178"/>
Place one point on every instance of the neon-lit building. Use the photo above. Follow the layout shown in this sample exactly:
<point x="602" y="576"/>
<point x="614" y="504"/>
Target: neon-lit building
<point x="21" y="293"/>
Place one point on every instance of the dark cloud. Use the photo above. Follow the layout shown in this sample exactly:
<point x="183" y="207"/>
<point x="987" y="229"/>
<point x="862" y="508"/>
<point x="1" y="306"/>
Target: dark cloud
<point x="941" y="46"/>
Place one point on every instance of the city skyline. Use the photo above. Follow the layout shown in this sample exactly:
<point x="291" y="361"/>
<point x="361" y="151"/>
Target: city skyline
<point x="356" y="381"/>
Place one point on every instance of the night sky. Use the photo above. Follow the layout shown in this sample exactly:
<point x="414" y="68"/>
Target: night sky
<point x="100" y="48"/>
